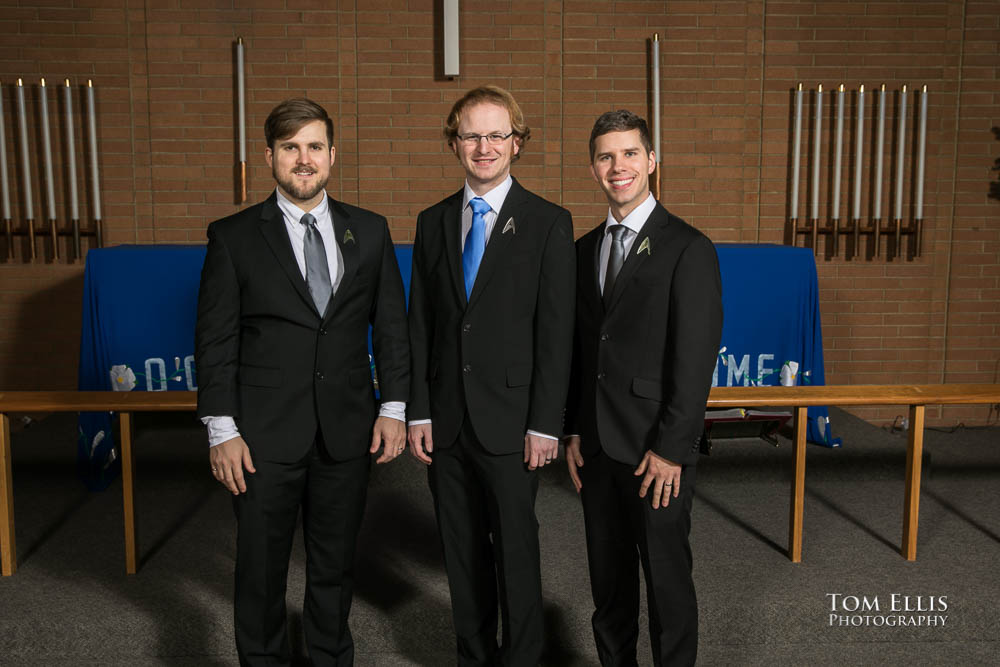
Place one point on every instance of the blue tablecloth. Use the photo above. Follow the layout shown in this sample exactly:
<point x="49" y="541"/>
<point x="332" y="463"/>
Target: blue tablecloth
<point x="771" y="321"/>
<point x="139" y="309"/>
<point x="140" y="305"/>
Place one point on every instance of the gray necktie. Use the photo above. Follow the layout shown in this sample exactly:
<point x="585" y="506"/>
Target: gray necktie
<point x="615" y="260"/>
<point x="317" y="268"/>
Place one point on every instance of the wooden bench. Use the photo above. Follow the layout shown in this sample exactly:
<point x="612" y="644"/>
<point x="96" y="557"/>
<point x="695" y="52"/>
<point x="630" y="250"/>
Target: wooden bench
<point x="124" y="403"/>
<point x="799" y="398"/>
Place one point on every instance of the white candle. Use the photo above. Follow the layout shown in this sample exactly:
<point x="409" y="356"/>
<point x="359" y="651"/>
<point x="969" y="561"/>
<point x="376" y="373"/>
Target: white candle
<point x="43" y="118"/>
<point x="838" y="152"/>
<point x="656" y="96"/>
<point x="879" y="153"/>
<point x="92" y="127"/>
<point x="921" y="153"/>
<point x="858" y="157"/>
<point x="816" y="147"/>
<point x="900" y="154"/>
<point x="74" y="206"/>
<point x="241" y="100"/>
<point x="22" y="122"/>
<point x="4" y="184"/>
<point x="796" y="151"/>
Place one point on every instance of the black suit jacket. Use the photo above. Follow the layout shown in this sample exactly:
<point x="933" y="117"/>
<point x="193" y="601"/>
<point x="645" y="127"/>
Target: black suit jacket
<point x="643" y="367"/>
<point x="266" y="356"/>
<point x="503" y="354"/>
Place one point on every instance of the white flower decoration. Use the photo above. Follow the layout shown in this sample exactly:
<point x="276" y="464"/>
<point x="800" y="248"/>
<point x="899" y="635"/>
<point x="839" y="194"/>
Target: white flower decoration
<point x="122" y="378"/>
<point x="788" y="372"/>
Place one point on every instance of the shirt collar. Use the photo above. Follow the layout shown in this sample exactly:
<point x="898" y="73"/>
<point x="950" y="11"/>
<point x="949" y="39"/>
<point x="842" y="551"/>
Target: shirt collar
<point x="494" y="197"/>
<point x="293" y="213"/>
<point x="634" y="220"/>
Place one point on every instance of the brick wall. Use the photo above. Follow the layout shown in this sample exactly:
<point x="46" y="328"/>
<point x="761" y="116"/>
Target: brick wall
<point x="164" y="72"/>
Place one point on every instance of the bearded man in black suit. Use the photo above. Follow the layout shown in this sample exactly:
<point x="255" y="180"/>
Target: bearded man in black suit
<point x="288" y="291"/>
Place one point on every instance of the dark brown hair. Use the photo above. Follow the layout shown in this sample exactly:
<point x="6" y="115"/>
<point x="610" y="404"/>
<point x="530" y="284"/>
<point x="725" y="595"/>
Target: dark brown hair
<point x="622" y="120"/>
<point x="288" y="118"/>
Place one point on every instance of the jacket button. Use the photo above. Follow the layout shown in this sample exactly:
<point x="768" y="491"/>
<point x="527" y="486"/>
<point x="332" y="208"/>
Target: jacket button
<point x="601" y="376"/>
<point x="466" y="328"/>
<point x="604" y="336"/>
<point x="467" y="368"/>
<point x="319" y="375"/>
<point x="322" y="331"/>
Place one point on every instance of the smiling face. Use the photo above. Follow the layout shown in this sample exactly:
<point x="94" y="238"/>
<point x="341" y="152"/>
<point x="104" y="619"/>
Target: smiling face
<point x="486" y="165"/>
<point x="621" y="166"/>
<point x="301" y="164"/>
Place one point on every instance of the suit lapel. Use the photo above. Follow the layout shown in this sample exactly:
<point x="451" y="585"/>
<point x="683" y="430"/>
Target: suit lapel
<point x="272" y="226"/>
<point x="646" y="241"/>
<point x="452" y="227"/>
<point x="591" y="246"/>
<point x="347" y="240"/>
<point x="495" y="249"/>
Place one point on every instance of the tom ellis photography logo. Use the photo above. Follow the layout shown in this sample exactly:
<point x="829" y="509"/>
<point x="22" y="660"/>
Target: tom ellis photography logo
<point x="893" y="610"/>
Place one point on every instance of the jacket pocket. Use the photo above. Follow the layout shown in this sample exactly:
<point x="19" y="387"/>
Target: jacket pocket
<point x="258" y="376"/>
<point x="646" y="388"/>
<point x="518" y="376"/>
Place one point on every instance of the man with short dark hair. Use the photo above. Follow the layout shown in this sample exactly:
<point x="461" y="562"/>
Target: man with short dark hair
<point x="648" y="325"/>
<point x="491" y="326"/>
<point x="288" y="291"/>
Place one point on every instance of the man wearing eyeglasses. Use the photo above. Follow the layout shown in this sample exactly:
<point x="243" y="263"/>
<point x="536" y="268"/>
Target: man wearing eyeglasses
<point x="491" y="326"/>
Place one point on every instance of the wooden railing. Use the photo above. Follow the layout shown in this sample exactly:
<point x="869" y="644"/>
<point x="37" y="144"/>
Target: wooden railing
<point x="798" y="398"/>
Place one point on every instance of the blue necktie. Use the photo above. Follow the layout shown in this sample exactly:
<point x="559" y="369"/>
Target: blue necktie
<point x="475" y="243"/>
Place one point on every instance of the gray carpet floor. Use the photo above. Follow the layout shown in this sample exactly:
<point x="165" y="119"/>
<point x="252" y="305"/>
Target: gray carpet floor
<point x="70" y="602"/>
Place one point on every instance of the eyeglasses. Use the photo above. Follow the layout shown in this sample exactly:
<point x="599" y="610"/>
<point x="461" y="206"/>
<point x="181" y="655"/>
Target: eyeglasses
<point x="492" y="138"/>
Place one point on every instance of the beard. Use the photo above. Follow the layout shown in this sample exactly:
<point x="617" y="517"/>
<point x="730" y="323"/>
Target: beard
<point x="300" y="191"/>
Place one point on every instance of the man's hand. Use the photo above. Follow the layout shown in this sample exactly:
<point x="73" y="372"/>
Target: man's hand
<point x="574" y="460"/>
<point x="391" y="435"/>
<point x="538" y="450"/>
<point x="228" y="460"/>
<point x="662" y="475"/>
<point x="421" y="442"/>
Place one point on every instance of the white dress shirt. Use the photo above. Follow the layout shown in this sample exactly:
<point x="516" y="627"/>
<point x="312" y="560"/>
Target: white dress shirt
<point x="223" y="428"/>
<point x="297" y="235"/>
<point x="495" y="198"/>
<point x="634" y="221"/>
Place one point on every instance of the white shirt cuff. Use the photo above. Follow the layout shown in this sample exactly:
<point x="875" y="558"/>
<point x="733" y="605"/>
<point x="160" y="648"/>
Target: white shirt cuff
<point x="417" y="422"/>
<point x="393" y="410"/>
<point x="220" y="429"/>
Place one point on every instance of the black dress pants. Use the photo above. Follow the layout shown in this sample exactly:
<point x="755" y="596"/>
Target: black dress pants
<point x="332" y="497"/>
<point x="622" y="531"/>
<point x="478" y="495"/>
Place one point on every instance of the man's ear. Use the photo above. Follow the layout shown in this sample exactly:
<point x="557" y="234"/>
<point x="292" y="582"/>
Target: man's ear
<point x="268" y="155"/>
<point x="652" y="161"/>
